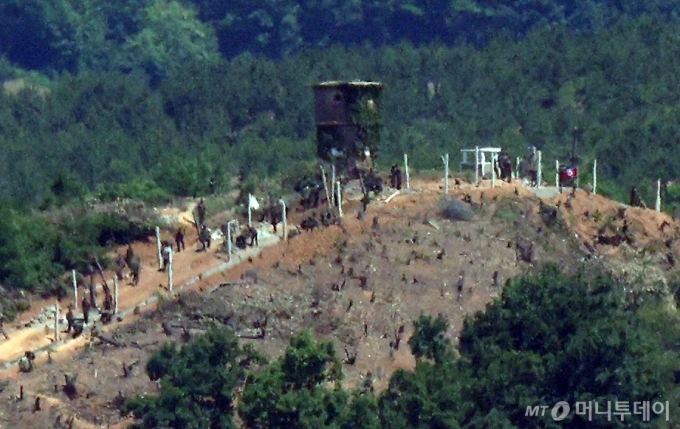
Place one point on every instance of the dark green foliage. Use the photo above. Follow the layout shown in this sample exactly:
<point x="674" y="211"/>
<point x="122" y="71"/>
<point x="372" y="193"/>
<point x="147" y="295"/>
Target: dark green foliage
<point x="549" y="338"/>
<point x="197" y="383"/>
<point x="428" y="341"/>
<point x="294" y="391"/>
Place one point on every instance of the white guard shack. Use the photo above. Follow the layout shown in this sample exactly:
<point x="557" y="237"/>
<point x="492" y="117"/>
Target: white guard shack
<point x="481" y="159"/>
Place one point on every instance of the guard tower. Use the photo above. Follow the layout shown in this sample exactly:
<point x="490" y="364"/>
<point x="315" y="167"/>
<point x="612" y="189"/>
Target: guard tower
<point x="348" y="122"/>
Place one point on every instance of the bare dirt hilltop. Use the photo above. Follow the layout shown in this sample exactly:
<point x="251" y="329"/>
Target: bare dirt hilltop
<point x="356" y="284"/>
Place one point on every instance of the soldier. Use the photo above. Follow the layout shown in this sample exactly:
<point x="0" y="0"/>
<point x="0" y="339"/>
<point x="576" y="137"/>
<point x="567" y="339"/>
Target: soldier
<point x="135" y="263"/>
<point x="179" y="239"/>
<point x="165" y="253"/>
<point x="69" y="318"/>
<point x="212" y="185"/>
<point x="395" y="177"/>
<point x="2" y="326"/>
<point x="253" y="235"/>
<point x="200" y="210"/>
<point x="635" y="199"/>
<point x="86" y="310"/>
<point x="120" y="266"/>
<point x="204" y="237"/>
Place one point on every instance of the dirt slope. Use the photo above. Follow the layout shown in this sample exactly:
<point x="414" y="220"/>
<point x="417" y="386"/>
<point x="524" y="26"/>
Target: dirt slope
<point x="356" y="286"/>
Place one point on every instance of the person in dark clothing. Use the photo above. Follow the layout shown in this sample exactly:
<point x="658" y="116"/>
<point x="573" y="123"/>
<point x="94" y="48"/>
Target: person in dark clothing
<point x="86" y="310"/>
<point x="395" y="177"/>
<point x="179" y="239"/>
<point x="635" y="199"/>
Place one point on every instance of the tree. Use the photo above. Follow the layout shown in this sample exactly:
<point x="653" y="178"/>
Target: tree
<point x="197" y="383"/>
<point x="171" y="37"/>
<point x="296" y="391"/>
<point x="550" y="337"/>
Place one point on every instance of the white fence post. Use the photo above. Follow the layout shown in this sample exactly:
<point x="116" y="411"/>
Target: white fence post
<point x="595" y="176"/>
<point x="56" y="321"/>
<point x="493" y="170"/>
<point x="445" y="158"/>
<point x="115" y="294"/>
<point x="658" y="196"/>
<point x="408" y="176"/>
<point x="285" y="222"/>
<point x="557" y="173"/>
<point x="158" y="244"/>
<point x="476" y="165"/>
<point x="516" y="168"/>
<point x="250" y="210"/>
<point x="170" y="270"/>
<point x="337" y="185"/>
<point x="538" y="173"/>
<point x="325" y="186"/>
<point x="75" y="287"/>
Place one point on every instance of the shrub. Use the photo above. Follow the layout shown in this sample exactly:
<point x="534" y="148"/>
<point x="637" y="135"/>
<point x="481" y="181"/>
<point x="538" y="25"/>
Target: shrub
<point x="453" y="209"/>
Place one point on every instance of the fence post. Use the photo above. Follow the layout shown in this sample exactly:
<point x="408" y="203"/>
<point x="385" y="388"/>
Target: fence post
<point x="250" y="210"/>
<point x="557" y="173"/>
<point x="170" y="271"/>
<point x="325" y="186"/>
<point x="75" y="287"/>
<point x="658" y="196"/>
<point x="476" y="165"/>
<point x="408" y="177"/>
<point x="516" y="168"/>
<point x="285" y="222"/>
<point x="337" y="187"/>
<point x="56" y="321"/>
<point x="539" y="173"/>
<point x="158" y="245"/>
<point x="445" y="158"/>
<point x="595" y="176"/>
<point x="115" y="294"/>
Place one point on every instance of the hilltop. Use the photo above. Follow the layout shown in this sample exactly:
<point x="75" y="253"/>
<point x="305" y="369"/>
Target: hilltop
<point x="356" y="284"/>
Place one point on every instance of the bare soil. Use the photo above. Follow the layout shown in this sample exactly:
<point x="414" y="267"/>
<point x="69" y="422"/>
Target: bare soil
<point x="355" y="285"/>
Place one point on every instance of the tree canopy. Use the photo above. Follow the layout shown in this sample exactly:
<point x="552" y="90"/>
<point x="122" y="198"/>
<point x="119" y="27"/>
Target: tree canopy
<point x="549" y="338"/>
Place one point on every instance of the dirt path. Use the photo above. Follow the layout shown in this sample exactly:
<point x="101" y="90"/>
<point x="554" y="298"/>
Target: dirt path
<point x="189" y="266"/>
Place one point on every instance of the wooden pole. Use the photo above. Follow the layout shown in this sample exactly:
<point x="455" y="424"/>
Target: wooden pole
<point x="75" y="287"/>
<point x="539" y="178"/>
<point x="115" y="294"/>
<point x="445" y="158"/>
<point x="158" y="245"/>
<point x="657" y="206"/>
<point x="56" y="321"/>
<point x="408" y="176"/>
<point x="339" y="198"/>
<point x="476" y="165"/>
<point x="170" y="271"/>
<point x="595" y="176"/>
<point x="325" y="187"/>
<point x="250" y="210"/>
<point x="285" y="221"/>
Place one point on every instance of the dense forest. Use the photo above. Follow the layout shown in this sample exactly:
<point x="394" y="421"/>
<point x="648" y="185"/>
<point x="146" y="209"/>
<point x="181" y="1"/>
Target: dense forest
<point x="549" y="338"/>
<point x="152" y="98"/>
